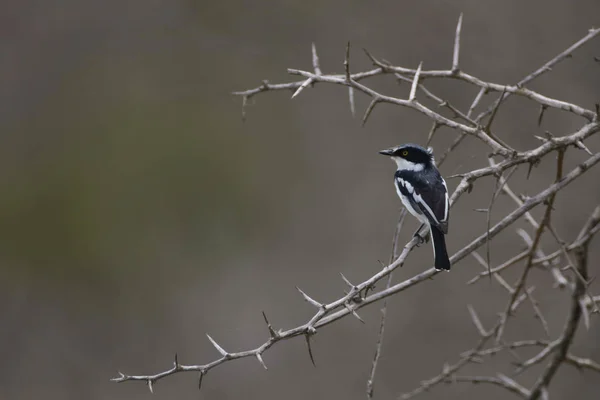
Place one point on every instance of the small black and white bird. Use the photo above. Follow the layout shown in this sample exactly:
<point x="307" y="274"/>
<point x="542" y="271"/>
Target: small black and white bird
<point x="424" y="193"/>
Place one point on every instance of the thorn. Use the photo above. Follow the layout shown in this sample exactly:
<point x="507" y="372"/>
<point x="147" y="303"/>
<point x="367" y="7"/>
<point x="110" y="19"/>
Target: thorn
<point x="531" y="165"/>
<point x="347" y="63"/>
<point x="347" y="281"/>
<point x="434" y="128"/>
<point x="219" y="348"/>
<point x="202" y="373"/>
<point x="494" y="111"/>
<point x="301" y="87"/>
<point x="272" y="332"/>
<point x="315" y="59"/>
<point x="176" y="363"/>
<point x="121" y="378"/>
<point x="351" y="100"/>
<point x="307" y="335"/>
<point x="584" y="313"/>
<point x="260" y="360"/>
<point x="354" y="313"/>
<point x="244" y="103"/>
<point x="482" y="91"/>
<point x="150" y="386"/>
<point x="476" y="320"/>
<point x="413" y="89"/>
<point x="309" y="299"/>
<point x="373" y="59"/>
<point x="579" y="144"/>
<point x="481" y="210"/>
<point x="370" y="109"/>
<point x="456" y="54"/>
<point x="542" y="110"/>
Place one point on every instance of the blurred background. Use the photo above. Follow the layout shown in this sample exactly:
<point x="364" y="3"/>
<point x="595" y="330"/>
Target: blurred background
<point x="138" y="212"/>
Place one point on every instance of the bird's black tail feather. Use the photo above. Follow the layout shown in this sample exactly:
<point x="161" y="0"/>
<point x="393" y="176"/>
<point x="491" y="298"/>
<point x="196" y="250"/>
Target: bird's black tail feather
<point x="439" y="250"/>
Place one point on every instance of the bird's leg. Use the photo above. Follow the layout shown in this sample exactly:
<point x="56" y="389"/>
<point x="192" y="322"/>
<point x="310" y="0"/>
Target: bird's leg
<point x="421" y="238"/>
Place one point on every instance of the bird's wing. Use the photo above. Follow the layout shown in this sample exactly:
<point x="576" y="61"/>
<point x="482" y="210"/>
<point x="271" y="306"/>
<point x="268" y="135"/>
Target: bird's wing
<point x="427" y="194"/>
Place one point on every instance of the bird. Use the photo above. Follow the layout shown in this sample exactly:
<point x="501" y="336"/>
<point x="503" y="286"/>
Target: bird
<point x="424" y="193"/>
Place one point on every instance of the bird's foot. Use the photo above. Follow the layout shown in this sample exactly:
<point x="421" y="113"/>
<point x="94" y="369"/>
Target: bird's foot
<point x="421" y="239"/>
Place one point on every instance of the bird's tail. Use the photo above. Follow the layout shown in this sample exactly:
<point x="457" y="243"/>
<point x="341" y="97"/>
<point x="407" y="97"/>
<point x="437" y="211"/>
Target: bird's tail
<point x="442" y="262"/>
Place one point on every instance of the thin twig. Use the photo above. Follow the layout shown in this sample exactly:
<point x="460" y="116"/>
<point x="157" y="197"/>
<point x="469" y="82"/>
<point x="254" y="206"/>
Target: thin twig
<point x="393" y="255"/>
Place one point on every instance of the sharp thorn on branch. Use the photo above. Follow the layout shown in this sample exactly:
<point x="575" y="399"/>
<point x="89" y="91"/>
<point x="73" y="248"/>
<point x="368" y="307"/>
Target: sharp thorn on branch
<point x="354" y="313"/>
<point x="260" y="360"/>
<point x="350" y="284"/>
<point x="351" y="101"/>
<point x="244" y="104"/>
<point x="369" y="110"/>
<point x="315" y="60"/>
<point x="200" y="377"/>
<point x="456" y="53"/>
<point x="309" y="299"/>
<point x="301" y="87"/>
<point x="543" y="109"/>
<point x="347" y="64"/>
<point x="373" y="59"/>
<point x="488" y="126"/>
<point x="272" y="331"/>
<point x="307" y="336"/>
<point x="579" y="144"/>
<point x="415" y="83"/>
<point x="216" y="346"/>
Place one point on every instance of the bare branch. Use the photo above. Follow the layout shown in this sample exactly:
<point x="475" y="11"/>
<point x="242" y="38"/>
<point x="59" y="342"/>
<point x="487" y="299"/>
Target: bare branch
<point x="500" y="380"/>
<point x="566" y="338"/>
<point x="362" y="294"/>
<point x="545" y="68"/>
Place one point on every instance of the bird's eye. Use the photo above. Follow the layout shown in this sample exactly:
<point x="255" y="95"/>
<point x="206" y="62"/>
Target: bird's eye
<point x="404" y="153"/>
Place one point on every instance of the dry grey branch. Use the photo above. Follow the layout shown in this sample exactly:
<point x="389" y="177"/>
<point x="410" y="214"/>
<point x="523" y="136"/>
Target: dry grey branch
<point x="503" y="162"/>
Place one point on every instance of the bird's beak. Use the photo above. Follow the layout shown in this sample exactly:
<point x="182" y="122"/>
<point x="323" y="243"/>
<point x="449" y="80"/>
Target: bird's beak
<point x="387" y="152"/>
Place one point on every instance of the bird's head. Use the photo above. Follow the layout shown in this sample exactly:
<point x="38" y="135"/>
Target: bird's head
<point x="410" y="157"/>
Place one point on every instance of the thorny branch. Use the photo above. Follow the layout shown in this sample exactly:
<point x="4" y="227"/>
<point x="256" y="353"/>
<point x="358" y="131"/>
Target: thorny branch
<point x="363" y="294"/>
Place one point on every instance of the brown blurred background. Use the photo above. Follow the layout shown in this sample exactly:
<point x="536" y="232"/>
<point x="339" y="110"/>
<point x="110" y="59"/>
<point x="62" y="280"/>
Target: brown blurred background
<point x="138" y="212"/>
